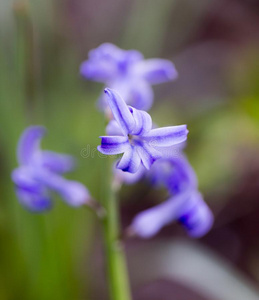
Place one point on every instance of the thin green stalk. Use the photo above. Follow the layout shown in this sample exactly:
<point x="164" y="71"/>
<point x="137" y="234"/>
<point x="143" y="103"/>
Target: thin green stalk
<point x="116" y="263"/>
<point x="27" y="62"/>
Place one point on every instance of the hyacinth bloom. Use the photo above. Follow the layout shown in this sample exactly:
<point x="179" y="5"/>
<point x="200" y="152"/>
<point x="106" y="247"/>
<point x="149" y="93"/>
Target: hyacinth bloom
<point x="40" y="172"/>
<point x="127" y="72"/>
<point x="185" y="203"/>
<point x="134" y="137"/>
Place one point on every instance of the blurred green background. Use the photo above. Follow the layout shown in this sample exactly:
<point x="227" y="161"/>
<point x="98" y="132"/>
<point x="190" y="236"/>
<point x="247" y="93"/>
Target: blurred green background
<point x="214" y="45"/>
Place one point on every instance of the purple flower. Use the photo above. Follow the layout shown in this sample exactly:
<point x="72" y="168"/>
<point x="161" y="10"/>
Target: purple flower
<point x="185" y="203"/>
<point x="127" y="72"/>
<point x="40" y="172"/>
<point x="189" y="208"/>
<point x="133" y="135"/>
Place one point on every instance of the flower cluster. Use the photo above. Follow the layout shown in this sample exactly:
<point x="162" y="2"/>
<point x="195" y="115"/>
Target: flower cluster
<point x="145" y="149"/>
<point x="40" y="172"/>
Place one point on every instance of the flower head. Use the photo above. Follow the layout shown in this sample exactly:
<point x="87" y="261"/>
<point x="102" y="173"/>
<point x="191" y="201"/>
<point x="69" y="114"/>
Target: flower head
<point x="185" y="203"/>
<point x="41" y="172"/>
<point x="127" y="72"/>
<point x="131" y="133"/>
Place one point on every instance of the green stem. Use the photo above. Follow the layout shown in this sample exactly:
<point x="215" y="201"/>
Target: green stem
<point x="116" y="263"/>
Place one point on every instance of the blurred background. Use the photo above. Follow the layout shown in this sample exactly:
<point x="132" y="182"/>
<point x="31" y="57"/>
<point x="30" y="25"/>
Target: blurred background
<point x="214" y="45"/>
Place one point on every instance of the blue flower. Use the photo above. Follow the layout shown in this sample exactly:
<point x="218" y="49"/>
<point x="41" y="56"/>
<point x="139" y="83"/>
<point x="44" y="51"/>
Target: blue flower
<point x="132" y="134"/>
<point x="185" y="203"/>
<point x="127" y="72"/>
<point x="40" y="172"/>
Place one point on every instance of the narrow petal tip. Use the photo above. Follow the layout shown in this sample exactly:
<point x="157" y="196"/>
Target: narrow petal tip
<point x="29" y="143"/>
<point x="75" y="193"/>
<point x="120" y="111"/>
<point x="107" y="91"/>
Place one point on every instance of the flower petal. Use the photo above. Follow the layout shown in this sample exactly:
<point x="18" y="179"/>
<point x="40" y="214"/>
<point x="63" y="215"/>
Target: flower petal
<point x="128" y="178"/>
<point x="73" y="192"/>
<point x="143" y="122"/>
<point x="23" y="178"/>
<point x="156" y="70"/>
<point x="147" y="154"/>
<point x="111" y="145"/>
<point x="35" y="202"/>
<point x="137" y="93"/>
<point x="130" y="161"/>
<point x="132" y="56"/>
<point x="166" y="136"/>
<point x="140" y="94"/>
<point x="101" y="71"/>
<point x="175" y="173"/>
<point x="196" y="216"/>
<point x="120" y="111"/>
<point x="29" y="143"/>
<point x="149" y="222"/>
<point x="58" y="163"/>
<point x="183" y="176"/>
<point x="102" y="64"/>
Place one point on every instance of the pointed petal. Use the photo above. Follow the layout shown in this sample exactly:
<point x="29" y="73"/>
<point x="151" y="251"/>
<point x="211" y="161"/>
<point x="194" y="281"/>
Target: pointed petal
<point x="130" y="161"/>
<point x="176" y="174"/>
<point x="132" y="56"/>
<point x="73" y="192"/>
<point x="128" y="178"/>
<point x="35" y="202"/>
<point x="147" y="154"/>
<point x="58" y="163"/>
<point x="196" y="216"/>
<point x="166" y="136"/>
<point x="140" y="95"/>
<point x="29" y="143"/>
<point x="101" y="71"/>
<point x="23" y="178"/>
<point x="149" y="222"/>
<point x="102" y="64"/>
<point x="120" y="111"/>
<point x="156" y="70"/>
<point x="182" y="177"/>
<point x="111" y="145"/>
<point x="143" y="122"/>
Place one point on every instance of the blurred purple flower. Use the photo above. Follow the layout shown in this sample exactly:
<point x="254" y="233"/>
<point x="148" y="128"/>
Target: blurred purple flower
<point x="41" y="172"/>
<point x="127" y="72"/>
<point x="185" y="203"/>
<point x="132" y="134"/>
